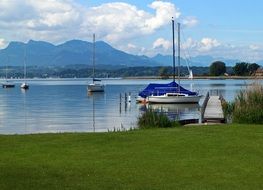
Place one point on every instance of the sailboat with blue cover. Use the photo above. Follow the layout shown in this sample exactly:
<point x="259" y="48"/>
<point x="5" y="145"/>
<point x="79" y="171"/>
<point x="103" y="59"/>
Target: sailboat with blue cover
<point x="172" y="92"/>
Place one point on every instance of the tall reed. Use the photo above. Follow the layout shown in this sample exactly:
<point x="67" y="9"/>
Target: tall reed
<point x="248" y="105"/>
<point x="151" y="119"/>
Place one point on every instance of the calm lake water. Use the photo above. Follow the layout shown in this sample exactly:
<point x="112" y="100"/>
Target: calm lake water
<point x="63" y="105"/>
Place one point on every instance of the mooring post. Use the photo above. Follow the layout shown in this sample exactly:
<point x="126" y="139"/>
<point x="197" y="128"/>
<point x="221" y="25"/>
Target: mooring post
<point x="125" y="97"/>
<point x="120" y="103"/>
<point x="129" y="97"/>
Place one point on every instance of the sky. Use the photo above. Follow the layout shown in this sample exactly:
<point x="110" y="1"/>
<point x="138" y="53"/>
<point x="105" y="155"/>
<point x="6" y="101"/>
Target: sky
<point x="219" y="28"/>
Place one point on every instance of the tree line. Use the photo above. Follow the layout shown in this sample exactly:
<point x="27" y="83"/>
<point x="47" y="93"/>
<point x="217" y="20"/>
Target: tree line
<point x="218" y="68"/>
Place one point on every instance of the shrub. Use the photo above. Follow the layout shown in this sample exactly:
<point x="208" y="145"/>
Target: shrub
<point x="151" y="119"/>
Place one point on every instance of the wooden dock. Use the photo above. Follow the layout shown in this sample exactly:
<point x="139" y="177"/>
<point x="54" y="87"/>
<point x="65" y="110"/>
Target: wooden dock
<point x="213" y="112"/>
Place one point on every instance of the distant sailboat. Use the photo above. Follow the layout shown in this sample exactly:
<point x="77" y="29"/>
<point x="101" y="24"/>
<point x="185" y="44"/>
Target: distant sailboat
<point x="24" y="85"/>
<point x="7" y="84"/>
<point x="191" y="76"/>
<point x="95" y="86"/>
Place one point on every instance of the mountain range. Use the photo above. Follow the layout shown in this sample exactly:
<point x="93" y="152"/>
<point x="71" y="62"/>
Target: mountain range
<point x="74" y="52"/>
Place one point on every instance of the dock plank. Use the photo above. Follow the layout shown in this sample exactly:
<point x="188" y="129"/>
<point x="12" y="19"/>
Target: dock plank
<point x="214" y="111"/>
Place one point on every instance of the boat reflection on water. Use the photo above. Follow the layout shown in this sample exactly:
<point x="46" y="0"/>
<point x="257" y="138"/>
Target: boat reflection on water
<point x="95" y="96"/>
<point x="176" y="112"/>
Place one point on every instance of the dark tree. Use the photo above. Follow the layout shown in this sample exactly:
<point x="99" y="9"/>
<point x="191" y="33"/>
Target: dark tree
<point x="163" y="72"/>
<point x="241" y="69"/>
<point x="217" y="68"/>
<point x="252" y="68"/>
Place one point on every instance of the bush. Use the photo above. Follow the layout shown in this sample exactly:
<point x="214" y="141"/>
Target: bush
<point x="248" y="105"/>
<point x="151" y="119"/>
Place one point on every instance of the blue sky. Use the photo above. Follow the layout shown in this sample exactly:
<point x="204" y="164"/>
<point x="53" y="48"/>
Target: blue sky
<point x="222" y="28"/>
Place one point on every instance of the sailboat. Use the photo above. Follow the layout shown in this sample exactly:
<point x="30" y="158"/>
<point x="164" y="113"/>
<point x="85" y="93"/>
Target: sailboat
<point x="172" y="92"/>
<point x="7" y="84"/>
<point x="95" y="86"/>
<point x="24" y="85"/>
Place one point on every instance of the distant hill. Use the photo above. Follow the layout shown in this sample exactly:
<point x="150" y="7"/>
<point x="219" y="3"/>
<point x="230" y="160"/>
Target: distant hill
<point x="199" y="61"/>
<point x="69" y="53"/>
<point x="77" y="52"/>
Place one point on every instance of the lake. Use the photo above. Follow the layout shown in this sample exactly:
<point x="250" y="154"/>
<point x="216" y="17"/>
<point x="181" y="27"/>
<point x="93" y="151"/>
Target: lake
<point x="63" y="105"/>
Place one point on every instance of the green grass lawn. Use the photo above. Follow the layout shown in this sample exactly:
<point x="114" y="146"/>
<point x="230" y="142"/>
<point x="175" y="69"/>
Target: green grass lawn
<point x="210" y="157"/>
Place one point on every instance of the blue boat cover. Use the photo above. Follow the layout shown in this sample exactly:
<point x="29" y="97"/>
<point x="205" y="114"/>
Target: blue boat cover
<point x="96" y="80"/>
<point x="161" y="89"/>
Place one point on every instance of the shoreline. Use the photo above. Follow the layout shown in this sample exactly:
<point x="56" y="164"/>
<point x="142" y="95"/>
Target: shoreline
<point x="200" y="77"/>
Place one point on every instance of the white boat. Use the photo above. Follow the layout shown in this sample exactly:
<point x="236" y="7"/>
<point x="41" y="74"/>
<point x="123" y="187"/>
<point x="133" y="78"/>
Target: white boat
<point x="96" y="85"/>
<point x="176" y="93"/>
<point x="140" y="99"/>
<point x="24" y="85"/>
<point x="191" y="76"/>
<point x="7" y="84"/>
<point x="172" y="108"/>
<point x="178" y="98"/>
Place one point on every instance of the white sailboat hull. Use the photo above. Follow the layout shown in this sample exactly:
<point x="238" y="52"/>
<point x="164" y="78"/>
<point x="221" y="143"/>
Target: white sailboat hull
<point x="24" y="86"/>
<point x="96" y="88"/>
<point x="174" y="99"/>
<point x="8" y="85"/>
<point x="140" y="99"/>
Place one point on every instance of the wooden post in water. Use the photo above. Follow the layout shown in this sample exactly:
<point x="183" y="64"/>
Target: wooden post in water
<point x="120" y="102"/>
<point x="125" y="97"/>
<point x="129" y="97"/>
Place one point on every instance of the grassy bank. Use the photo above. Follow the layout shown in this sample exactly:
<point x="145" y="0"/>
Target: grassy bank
<point x="211" y="157"/>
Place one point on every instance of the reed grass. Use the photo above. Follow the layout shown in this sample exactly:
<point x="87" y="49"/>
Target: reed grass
<point x="151" y="119"/>
<point x="248" y="105"/>
<point x="228" y="108"/>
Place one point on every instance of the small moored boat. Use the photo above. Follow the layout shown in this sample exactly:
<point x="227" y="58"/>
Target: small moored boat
<point x="95" y="86"/>
<point x="24" y="86"/>
<point x="8" y="84"/>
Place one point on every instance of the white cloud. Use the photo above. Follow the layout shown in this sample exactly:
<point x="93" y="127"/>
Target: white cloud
<point x="131" y="46"/>
<point x="60" y="20"/>
<point x="207" y="44"/>
<point x="164" y="12"/>
<point x="53" y="13"/>
<point x="189" y="21"/>
<point x="254" y="47"/>
<point x="189" y="44"/>
<point x="162" y="43"/>
<point x="120" y="21"/>
<point x="123" y="25"/>
<point x="2" y="43"/>
<point x="212" y="47"/>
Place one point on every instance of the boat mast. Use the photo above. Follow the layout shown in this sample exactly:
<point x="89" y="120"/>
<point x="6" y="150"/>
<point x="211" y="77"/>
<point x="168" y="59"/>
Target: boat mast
<point x="173" y="51"/>
<point x="25" y="64"/>
<point x="93" y="58"/>
<point x="178" y="69"/>
<point x="6" y="67"/>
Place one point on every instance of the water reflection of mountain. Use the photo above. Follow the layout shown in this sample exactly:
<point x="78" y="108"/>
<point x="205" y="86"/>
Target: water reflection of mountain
<point x="175" y="111"/>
